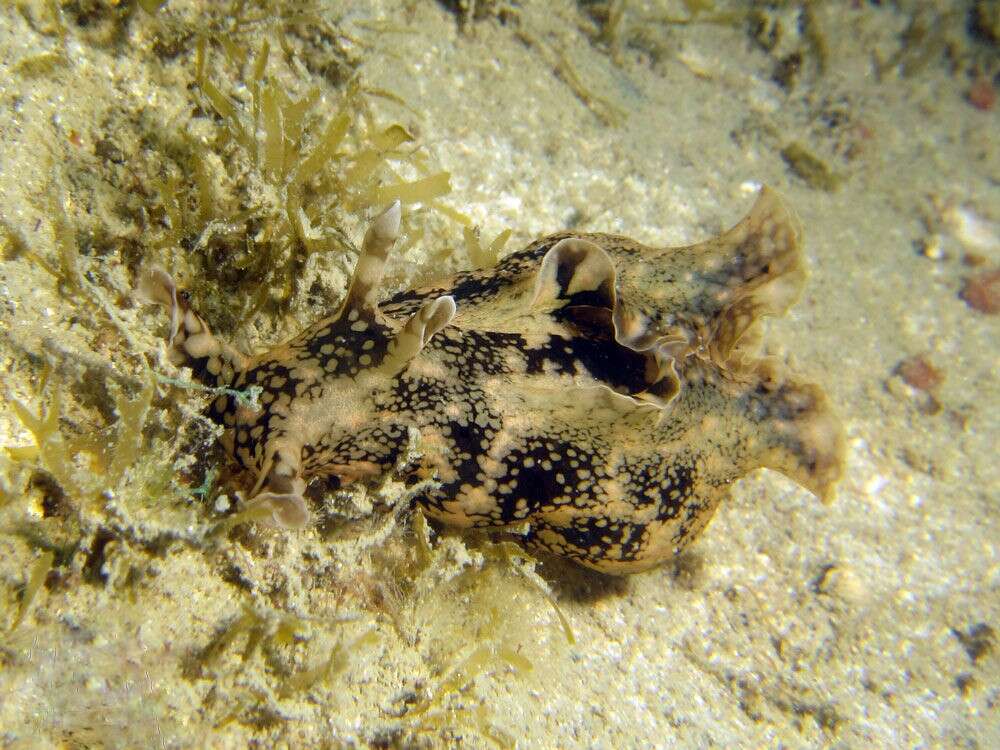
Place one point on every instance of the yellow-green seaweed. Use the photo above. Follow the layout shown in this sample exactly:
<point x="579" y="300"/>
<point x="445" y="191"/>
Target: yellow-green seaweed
<point x="36" y="577"/>
<point x="813" y="170"/>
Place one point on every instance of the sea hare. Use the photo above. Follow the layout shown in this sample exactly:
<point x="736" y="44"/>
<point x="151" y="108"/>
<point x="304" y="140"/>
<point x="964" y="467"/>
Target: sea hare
<point x="599" y="393"/>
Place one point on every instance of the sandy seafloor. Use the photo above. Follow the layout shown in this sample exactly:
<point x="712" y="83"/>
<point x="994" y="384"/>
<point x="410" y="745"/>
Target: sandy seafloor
<point x="869" y="622"/>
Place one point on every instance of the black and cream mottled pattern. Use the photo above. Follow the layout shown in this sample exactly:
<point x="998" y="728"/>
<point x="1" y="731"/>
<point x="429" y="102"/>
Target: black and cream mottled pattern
<point x="604" y="393"/>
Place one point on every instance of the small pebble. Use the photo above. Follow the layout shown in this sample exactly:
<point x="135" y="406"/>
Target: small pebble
<point x="842" y="583"/>
<point x="932" y="247"/>
<point x="982" y="292"/>
<point x="982" y="94"/>
<point x="917" y="372"/>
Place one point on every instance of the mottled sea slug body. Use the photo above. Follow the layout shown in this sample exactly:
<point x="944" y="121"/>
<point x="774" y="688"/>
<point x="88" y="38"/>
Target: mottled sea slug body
<point x="602" y="393"/>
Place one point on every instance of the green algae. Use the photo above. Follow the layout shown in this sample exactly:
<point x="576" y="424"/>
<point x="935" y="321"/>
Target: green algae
<point x="282" y="646"/>
<point x="36" y="577"/>
<point x="603" y="107"/>
<point x="524" y="564"/>
<point x="437" y="712"/>
<point x="964" y="34"/>
<point x="810" y="168"/>
<point x="484" y="257"/>
<point x="337" y="662"/>
<point x="296" y="172"/>
<point x="421" y="532"/>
